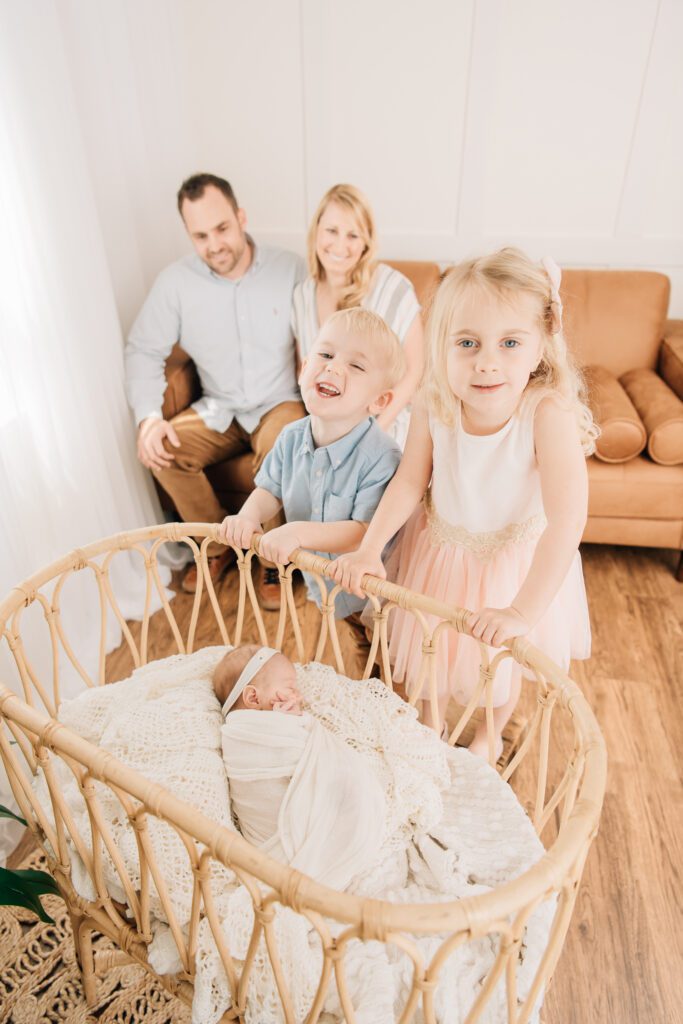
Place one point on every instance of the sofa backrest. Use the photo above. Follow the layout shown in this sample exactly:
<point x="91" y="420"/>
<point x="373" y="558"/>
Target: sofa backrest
<point x="615" y="317"/>
<point x="611" y="317"/>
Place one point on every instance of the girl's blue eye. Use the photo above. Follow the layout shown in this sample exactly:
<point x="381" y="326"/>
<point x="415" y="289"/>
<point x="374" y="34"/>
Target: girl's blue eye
<point x="510" y="343"/>
<point x="466" y="343"/>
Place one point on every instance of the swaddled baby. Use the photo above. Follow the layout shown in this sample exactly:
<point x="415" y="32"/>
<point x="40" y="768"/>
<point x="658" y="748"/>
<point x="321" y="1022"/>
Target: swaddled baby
<point x="297" y="790"/>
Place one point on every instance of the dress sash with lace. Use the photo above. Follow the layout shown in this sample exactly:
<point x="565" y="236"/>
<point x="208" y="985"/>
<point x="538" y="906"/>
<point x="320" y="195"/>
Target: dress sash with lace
<point x="483" y="545"/>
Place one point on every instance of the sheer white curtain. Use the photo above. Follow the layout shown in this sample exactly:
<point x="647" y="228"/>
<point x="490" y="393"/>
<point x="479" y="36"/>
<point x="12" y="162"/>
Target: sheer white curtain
<point x="68" y="471"/>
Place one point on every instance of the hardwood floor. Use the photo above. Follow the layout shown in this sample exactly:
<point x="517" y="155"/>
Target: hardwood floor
<point x="622" y="958"/>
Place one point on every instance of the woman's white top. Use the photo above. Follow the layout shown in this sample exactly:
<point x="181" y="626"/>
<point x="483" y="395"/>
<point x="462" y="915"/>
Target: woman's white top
<point x="391" y="296"/>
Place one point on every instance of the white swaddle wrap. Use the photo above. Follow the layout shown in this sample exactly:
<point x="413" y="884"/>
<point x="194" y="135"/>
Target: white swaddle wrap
<point x="303" y="795"/>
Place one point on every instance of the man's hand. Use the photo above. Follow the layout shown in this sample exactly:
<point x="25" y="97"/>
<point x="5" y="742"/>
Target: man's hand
<point x="238" y="530"/>
<point x="151" y="451"/>
<point x="277" y="545"/>
<point x="348" y="570"/>
<point x="494" y="625"/>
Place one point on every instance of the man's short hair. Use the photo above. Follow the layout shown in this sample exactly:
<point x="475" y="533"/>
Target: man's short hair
<point x="194" y="187"/>
<point x="378" y="336"/>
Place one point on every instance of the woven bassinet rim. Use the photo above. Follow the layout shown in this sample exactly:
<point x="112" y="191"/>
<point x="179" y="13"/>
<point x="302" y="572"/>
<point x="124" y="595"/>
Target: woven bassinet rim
<point x="472" y="913"/>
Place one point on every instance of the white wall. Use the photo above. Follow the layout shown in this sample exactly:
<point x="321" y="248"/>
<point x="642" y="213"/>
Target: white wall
<point x="469" y="123"/>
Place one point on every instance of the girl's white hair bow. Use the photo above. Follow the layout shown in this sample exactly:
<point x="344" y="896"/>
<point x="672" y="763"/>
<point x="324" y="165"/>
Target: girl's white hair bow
<point x="555" y="275"/>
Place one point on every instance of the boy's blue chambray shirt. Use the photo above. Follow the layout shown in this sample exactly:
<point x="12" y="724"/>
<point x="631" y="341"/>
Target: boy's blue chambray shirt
<point x="340" y="481"/>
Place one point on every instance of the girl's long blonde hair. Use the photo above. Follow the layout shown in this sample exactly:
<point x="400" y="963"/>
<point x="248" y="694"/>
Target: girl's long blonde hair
<point x="501" y="275"/>
<point x="361" y="276"/>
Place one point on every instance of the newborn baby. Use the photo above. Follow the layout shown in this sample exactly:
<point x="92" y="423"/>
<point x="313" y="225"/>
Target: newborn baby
<point x="297" y="791"/>
<point x="257" y="679"/>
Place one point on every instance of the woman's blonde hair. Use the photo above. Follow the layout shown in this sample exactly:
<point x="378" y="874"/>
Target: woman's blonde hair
<point x="353" y="200"/>
<point x="501" y="275"/>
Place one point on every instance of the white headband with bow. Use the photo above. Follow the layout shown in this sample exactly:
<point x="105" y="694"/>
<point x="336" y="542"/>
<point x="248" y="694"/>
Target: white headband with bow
<point x="555" y="274"/>
<point x="254" y="665"/>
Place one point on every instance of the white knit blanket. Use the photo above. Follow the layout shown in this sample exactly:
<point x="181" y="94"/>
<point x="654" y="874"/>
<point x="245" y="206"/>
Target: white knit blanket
<point x="451" y="829"/>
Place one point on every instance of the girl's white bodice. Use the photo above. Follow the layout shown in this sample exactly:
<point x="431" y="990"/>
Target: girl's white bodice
<point x="486" y="490"/>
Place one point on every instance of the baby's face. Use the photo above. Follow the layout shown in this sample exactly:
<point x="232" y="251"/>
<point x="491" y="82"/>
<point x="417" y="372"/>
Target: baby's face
<point x="274" y="687"/>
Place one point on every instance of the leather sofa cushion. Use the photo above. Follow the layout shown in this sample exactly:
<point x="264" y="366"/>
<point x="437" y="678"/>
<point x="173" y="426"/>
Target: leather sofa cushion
<point x="182" y="383"/>
<point x="615" y="317"/>
<point x="662" y="413"/>
<point x="671" y="356"/>
<point x="622" y="434"/>
<point x="638" y="489"/>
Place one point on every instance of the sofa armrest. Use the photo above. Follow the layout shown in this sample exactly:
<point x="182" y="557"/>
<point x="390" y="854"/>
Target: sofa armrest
<point x="182" y="383"/>
<point x="671" y="356"/>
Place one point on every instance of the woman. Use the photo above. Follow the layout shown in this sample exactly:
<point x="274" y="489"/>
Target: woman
<point x="344" y="273"/>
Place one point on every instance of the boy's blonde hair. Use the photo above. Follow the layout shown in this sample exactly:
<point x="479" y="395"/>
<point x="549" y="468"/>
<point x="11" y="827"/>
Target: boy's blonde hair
<point x="354" y="201"/>
<point x="377" y="337"/>
<point x="501" y="275"/>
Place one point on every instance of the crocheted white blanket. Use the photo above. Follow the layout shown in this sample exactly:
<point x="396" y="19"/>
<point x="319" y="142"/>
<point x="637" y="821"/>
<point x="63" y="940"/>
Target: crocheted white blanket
<point x="452" y="829"/>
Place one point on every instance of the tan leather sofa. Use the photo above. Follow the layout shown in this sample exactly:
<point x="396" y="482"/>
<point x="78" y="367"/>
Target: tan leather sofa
<point x="613" y="318"/>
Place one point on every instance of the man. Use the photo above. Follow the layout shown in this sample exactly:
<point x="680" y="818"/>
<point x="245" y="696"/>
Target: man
<point x="228" y="305"/>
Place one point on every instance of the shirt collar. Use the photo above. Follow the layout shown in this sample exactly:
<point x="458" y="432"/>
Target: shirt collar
<point x="339" y="450"/>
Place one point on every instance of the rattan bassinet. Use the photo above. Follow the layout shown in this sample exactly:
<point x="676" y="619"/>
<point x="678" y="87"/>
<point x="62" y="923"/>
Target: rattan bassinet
<point x="561" y="759"/>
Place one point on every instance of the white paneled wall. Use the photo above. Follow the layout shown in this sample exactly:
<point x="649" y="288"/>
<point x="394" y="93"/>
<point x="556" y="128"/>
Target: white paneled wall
<point x="468" y="123"/>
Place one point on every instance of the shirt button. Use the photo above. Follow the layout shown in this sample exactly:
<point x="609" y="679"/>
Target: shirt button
<point x="319" y="472"/>
<point x="316" y="508"/>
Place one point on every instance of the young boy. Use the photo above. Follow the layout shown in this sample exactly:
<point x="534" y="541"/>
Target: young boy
<point x="329" y="470"/>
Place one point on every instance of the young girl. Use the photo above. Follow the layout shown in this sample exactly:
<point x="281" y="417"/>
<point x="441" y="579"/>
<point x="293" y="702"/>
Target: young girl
<point x="501" y="431"/>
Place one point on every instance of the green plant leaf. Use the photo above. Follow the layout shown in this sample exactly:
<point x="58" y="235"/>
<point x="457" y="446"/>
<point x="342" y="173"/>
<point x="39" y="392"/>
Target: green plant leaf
<point x="6" y="813"/>
<point x="21" y="888"/>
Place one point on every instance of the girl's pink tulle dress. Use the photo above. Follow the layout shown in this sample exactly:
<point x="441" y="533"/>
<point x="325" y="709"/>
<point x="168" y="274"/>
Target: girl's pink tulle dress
<point x="470" y="543"/>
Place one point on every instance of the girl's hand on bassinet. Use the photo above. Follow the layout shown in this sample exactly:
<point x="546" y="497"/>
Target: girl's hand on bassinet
<point x="238" y="530"/>
<point x="494" y="625"/>
<point x="348" y="570"/>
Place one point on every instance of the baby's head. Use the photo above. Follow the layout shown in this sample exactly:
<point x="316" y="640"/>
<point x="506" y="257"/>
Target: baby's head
<point x="494" y="329"/>
<point x="354" y="365"/>
<point x="264" y="678"/>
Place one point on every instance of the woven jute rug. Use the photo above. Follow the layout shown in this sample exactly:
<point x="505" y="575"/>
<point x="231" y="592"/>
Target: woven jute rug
<point x="40" y="982"/>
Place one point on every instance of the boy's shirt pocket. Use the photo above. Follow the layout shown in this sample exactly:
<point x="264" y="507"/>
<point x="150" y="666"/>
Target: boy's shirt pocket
<point x="338" y="507"/>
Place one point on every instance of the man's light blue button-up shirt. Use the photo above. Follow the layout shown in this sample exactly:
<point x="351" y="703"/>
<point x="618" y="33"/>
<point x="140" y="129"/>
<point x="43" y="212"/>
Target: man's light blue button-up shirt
<point x="238" y="333"/>
<point x="340" y="481"/>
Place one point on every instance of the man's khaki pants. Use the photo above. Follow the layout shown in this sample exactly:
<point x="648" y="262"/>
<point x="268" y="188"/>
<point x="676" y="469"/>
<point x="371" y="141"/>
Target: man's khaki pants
<point x="185" y="480"/>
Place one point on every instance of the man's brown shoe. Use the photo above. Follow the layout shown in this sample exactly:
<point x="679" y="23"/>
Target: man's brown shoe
<point x="217" y="566"/>
<point x="268" y="587"/>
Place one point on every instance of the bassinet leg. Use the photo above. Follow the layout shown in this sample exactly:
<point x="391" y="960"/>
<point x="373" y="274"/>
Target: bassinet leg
<point x="84" y="954"/>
